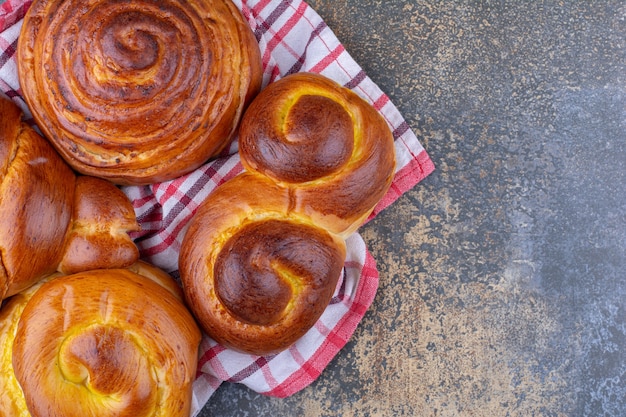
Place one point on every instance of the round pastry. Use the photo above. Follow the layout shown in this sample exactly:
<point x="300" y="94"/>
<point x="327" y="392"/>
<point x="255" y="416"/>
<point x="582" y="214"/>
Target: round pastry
<point x="102" y="343"/>
<point x="51" y="220"/>
<point x="263" y="254"/>
<point x="137" y="92"/>
<point x="256" y="275"/>
<point x="328" y="146"/>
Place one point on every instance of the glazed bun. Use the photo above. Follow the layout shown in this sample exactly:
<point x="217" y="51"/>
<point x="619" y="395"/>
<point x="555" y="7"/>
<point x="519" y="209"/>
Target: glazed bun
<point x="330" y="148"/>
<point x="263" y="254"/>
<point x="99" y="343"/>
<point x="256" y="275"/>
<point x="137" y="92"/>
<point x="50" y="219"/>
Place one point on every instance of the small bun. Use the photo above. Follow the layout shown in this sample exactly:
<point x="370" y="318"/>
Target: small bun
<point x="98" y="235"/>
<point x="51" y="220"/>
<point x="256" y="275"/>
<point x="137" y="92"/>
<point x="100" y="343"/>
<point x="263" y="254"/>
<point x="328" y="146"/>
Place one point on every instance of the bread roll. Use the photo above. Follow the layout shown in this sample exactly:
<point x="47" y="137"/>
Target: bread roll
<point x="137" y="92"/>
<point x="263" y="254"/>
<point x="51" y="220"/>
<point x="257" y="275"/>
<point x="330" y="148"/>
<point x="99" y="343"/>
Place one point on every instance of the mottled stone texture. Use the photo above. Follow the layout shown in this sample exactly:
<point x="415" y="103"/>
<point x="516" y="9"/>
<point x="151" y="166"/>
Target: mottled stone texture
<point x="503" y="274"/>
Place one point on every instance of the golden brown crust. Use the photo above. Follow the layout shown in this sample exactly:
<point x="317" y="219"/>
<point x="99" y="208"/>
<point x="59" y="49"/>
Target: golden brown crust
<point x="51" y="220"/>
<point x="157" y="275"/>
<point x="98" y="237"/>
<point x="137" y="92"/>
<point x="12" y="403"/>
<point x="246" y="231"/>
<point x="36" y="198"/>
<point x="112" y="341"/>
<point x="330" y="147"/>
<point x="263" y="254"/>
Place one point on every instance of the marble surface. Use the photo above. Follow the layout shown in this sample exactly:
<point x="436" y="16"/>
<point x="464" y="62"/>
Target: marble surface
<point x="503" y="274"/>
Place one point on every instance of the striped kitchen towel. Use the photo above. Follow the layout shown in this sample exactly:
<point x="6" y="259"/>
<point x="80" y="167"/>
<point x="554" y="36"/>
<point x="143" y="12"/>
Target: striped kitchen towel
<point x="292" y="38"/>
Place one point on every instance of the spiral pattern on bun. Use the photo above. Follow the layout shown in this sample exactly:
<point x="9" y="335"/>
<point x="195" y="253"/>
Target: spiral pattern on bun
<point x="256" y="275"/>
<point x="137" y="91"/>
<point x="102" y="343"/>
<point x="263" y="254"/>
<point x="328" y="146"/>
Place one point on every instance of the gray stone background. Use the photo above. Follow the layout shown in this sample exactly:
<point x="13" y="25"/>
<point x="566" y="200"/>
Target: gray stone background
<point x="503" y="274"/>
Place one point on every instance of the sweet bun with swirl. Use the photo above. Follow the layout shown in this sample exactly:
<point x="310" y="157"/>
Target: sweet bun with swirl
<point x="263" y="254"/>
<point x="99" y="343"/>
<point x="50" y="219"/>
<point x="137" y="92"/>
<point x="257" y="275"/>
<point x="330" y="148"/>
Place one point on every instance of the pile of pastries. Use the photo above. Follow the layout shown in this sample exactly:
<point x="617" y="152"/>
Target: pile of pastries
<point x="142" y="92"/>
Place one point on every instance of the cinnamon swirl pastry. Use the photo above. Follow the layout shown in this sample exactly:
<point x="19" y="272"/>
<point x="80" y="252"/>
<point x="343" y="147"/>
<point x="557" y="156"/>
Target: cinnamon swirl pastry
<point x="137" y="91"/>
<point x="98" y="343"/>
<point x="262" y="256"/>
